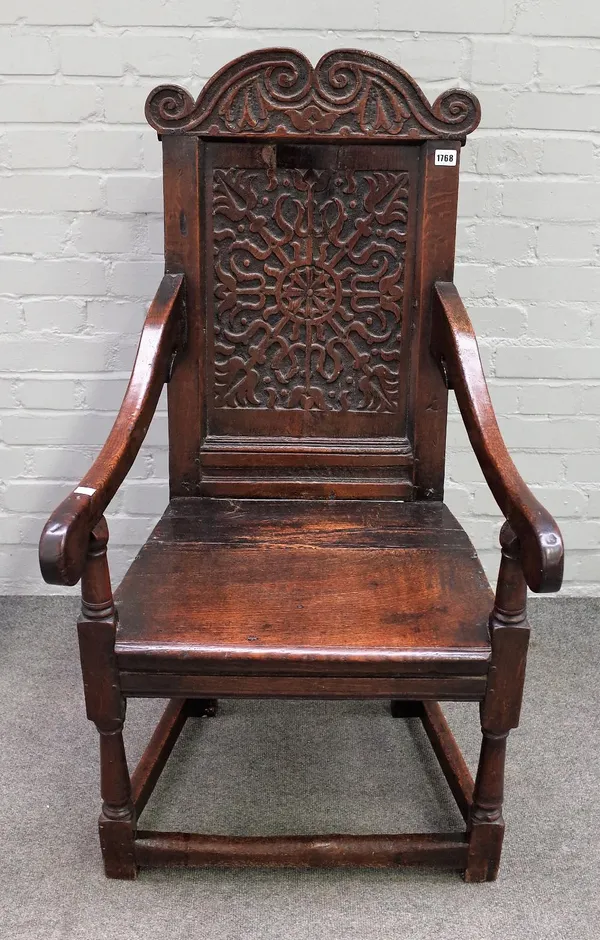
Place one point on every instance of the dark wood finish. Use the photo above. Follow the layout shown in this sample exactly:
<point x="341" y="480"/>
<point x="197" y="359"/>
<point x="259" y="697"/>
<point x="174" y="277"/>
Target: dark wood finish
<point x="449" y="756"/>
<point x="435" y="254"/>
<point x="105" y="706"/>
<point x="308" y="325"/>
<point x="247" y="467"/>
<point x="183" y="849"/>
<point x="182" y="194"/>
<point x="456" y="344"/>
<point x="486" y="821"/>
<point x="311" y="487"/>
<point x="277" y="93"/>
<point x="500" y="710"/>
<point x="64" y="541"/>
<point x="309" y="331"/>
<point x="510" y="639"/>
<point x="154" y="684"/>
<point x="291" y="611"/>
<point x="309" y="256"/>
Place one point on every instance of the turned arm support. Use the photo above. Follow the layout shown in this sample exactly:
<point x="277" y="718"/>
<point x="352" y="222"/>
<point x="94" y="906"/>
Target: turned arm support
<point x="64" y="541"/>
<point x="455" y="346"/>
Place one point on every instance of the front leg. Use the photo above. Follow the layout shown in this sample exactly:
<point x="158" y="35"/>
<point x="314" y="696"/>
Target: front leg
<point x="106" y="708"/>
<point x="500" y="711"/>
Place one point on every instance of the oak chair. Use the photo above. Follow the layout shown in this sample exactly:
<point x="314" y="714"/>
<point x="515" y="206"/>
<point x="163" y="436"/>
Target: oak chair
<point x="308" y="329"/>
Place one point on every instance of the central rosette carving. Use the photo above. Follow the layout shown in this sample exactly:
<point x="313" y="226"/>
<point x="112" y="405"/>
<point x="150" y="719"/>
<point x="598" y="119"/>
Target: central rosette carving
<point x="308" y="288"/>
<point x="309" y="293"/>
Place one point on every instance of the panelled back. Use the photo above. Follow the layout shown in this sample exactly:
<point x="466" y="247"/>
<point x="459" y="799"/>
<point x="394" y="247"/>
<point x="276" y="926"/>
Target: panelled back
<point x="311" y="215"/>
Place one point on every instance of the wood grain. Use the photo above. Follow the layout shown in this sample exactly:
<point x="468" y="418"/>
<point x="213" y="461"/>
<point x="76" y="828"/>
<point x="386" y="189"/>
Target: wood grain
<point x="105" y="706"/>
<point x="309" y="330"/>
<point x="64" y="541"/>
<point x="542" y="553"/>
<point x="308" y="256"/>
<point x="436" y="235"/>
<point x="183" y="232"/>
<point x="183" y="849"/>
<point x="499" y="711"/>
<point x="153" y="684"/>
<point x="353" y="588"/>
<point x="277" y="93"/>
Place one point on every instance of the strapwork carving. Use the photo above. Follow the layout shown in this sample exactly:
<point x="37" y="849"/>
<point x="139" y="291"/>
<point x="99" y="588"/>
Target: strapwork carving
<point x="308" y="288"/>
<point x="348" y="94"/>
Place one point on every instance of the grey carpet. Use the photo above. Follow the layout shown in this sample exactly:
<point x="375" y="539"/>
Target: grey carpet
<point x="265" y="768"/>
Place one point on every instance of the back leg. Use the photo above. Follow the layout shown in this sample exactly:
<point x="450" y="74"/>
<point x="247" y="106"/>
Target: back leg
<point x="201" y="707"/>
<point x="406" y="708"/>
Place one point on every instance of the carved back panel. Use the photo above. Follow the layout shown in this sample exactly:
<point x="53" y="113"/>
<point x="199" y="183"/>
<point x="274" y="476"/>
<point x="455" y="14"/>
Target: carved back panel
<point x="311" y="216"/>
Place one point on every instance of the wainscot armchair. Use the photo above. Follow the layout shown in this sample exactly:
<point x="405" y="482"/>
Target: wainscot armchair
<point x="308" y="330"/>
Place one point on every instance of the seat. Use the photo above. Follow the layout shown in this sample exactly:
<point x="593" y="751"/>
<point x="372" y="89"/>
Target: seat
<point x="352" y="588"/>
<point x="309" y="333"/>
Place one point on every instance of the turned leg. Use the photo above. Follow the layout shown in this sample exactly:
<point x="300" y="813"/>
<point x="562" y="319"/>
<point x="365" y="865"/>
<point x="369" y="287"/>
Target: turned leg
<point x="106" y="708"/>
<point x="486" y="825"/>
<point x="116" y="824"/>
<point x="500" y="711"/>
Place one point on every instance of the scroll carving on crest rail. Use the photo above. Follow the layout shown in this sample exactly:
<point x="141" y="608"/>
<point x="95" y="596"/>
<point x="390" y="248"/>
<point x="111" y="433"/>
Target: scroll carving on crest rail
<point x="349" y="94"/>
<point x="308" y="288"/>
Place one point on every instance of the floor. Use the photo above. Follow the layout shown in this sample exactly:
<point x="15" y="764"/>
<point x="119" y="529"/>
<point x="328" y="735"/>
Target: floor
<point x="266" y="768"/>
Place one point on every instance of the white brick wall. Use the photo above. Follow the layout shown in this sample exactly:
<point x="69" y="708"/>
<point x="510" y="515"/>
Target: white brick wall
<point x="80" y="235"/>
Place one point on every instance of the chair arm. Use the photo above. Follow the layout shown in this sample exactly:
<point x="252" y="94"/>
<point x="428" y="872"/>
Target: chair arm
<point x="64" y="540"/>
<point x="455" y="346"/>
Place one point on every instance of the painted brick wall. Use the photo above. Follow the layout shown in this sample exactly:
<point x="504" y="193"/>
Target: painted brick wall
<point x="81" y="239"/>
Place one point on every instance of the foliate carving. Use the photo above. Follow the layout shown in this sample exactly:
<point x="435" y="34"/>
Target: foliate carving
<point x="308" y="285"/>
<point x="348" y="94"/>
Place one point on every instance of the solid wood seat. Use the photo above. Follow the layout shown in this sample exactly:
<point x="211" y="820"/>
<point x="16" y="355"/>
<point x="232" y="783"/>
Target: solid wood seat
<point x="363" y="588"/>
<point x="309" y="332"/>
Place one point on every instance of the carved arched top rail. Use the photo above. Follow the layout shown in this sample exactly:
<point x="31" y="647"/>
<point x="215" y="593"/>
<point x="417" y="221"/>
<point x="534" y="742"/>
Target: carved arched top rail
<point x="277" y="92"/>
